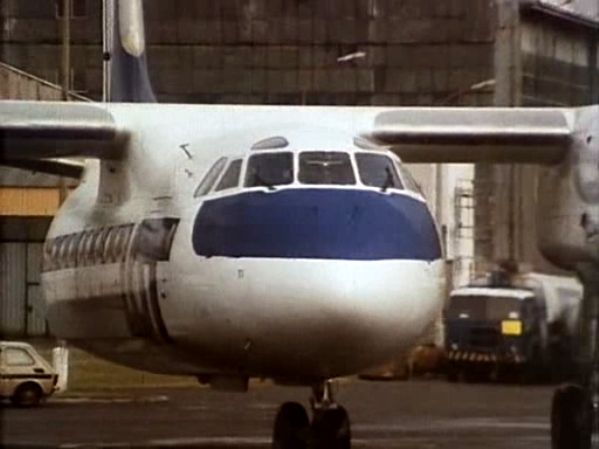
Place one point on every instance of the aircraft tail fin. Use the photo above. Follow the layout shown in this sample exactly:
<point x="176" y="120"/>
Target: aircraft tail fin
<point x="126" y="76"/>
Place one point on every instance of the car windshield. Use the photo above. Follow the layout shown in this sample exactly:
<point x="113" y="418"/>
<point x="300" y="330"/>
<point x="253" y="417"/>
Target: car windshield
<point x="478" y="307"/>
<point x="377" y="171"/>
<point x="269" y="170"/>
<point x="325" y="167"/>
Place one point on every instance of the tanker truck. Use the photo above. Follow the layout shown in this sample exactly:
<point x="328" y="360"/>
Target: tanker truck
<point x="517" y="327"/>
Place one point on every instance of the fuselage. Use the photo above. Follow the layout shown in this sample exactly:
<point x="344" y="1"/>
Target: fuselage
<point x="246" y="241"/>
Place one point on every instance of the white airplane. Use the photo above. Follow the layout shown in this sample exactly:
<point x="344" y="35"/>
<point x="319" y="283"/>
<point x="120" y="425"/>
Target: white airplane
<point x="230" y="242"/>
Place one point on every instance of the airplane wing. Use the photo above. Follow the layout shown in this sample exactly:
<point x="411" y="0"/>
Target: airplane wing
<point x="33" y="133"/>
<point x="499" y="135"/>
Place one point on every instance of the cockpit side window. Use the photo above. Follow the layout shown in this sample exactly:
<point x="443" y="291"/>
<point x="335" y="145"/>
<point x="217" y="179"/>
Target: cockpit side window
<point x="377" y="171"/>
<point x="231" y="177"/>
<point x="269" y="170"/>
<point x="325" y="167"/>
<point x="211" y="177"/>
<point x="408" y="179"/>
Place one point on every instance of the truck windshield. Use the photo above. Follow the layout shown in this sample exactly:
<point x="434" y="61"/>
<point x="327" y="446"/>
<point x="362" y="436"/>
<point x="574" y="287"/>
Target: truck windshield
<point x="484" y="308"/>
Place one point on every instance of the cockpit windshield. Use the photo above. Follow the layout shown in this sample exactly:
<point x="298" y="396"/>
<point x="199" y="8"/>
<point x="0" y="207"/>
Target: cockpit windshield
<point x="314" y="168"/>
<point x="325" y="167"/>
<point x="269" y="170"/>
<point x="377" y="171"/>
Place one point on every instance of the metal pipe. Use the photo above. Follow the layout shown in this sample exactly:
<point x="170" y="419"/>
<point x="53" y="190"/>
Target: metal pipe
<point x="66" y="49"/>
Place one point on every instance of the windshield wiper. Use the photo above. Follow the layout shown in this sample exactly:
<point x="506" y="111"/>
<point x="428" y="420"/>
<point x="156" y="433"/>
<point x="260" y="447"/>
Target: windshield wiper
<point x="389" y="182"/>
<point x="263" y="182"/>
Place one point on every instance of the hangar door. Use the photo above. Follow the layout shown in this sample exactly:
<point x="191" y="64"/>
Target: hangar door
<point x="21" y="304"/>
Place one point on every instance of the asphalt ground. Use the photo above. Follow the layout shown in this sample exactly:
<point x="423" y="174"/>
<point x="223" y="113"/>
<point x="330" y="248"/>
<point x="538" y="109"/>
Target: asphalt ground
<point x="392" y="415"/>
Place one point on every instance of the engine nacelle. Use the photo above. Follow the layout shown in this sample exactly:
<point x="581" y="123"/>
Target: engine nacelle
<point x="568" y="198"/>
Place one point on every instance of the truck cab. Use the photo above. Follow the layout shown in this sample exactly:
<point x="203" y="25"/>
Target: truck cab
<point x="25" y="377"/>
<point x="491" y="327"/>
<point x="519" y="324"/>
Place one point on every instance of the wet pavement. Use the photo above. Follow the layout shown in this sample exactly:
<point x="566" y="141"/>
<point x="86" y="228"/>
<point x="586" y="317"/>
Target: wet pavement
<point x="391" y="415"/>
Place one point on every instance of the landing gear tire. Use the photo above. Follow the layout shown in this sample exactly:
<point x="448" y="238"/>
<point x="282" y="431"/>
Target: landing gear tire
<point x="331" y="429"/>
<point x="570" y="418"/>
<point x="292" y="427"/>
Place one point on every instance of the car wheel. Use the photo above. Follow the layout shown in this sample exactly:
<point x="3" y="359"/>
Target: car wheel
<point x="27" y="395"/>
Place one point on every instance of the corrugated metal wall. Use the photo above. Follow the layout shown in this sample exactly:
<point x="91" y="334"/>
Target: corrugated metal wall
<point x="21" y="305"/>
<point x="13" y="285"/>
<point x="36" y="312"/>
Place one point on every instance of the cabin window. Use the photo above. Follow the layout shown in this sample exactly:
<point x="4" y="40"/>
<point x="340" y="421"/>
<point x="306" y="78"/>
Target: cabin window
<point x="99" y="246"/>
<point x="325" y="167"/>
<point x="118" y="244"/>
<point x="85" y="236"/>
<point x="47" y="263"/>
<point x="108" y="243"/>
<point x="72" y="251"/>
<point x="63" y="252"/>
<point x="269" y="170"/>
<point x="89" y="247"/>
<point x="377" y="171"/>
<point x="56" y="245"/>
<point x="122" y="243"/>
<point x="210" y="177"/>
<point x="231" y="177"/>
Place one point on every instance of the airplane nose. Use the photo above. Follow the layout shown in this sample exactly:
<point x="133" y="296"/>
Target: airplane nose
<point x="335" y="280"/>
<point x="338" y="317"/>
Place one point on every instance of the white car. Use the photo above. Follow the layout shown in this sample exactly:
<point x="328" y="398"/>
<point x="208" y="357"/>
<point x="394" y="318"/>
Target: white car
<point x="25" y="377"/>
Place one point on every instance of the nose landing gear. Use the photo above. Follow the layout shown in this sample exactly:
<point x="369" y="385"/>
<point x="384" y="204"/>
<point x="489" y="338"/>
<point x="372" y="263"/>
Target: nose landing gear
<point x="330" y="427"/>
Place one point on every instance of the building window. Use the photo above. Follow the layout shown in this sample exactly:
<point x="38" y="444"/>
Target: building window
<point x="78" y="9"/>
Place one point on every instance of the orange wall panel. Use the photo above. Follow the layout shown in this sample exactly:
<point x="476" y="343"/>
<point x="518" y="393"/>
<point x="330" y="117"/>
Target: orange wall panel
<point x="29" y="202"/>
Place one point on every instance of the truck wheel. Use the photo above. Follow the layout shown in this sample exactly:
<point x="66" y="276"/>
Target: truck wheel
<point x="570" y="418"/>
<point x="27" y="395"/>
<point x="454" y="372"/>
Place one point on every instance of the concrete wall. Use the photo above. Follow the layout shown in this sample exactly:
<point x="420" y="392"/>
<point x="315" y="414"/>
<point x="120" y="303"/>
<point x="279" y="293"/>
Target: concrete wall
<point x="549" y="61"/>
<point x="416" y="52"/>
<point x="277" y="51"/>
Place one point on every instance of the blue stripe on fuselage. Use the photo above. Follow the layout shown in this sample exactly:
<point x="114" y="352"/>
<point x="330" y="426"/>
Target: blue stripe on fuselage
<point x="316" y="224"/>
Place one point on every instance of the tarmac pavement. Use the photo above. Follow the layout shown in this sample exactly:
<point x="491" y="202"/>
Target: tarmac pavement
<point x="391" y="415"/>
